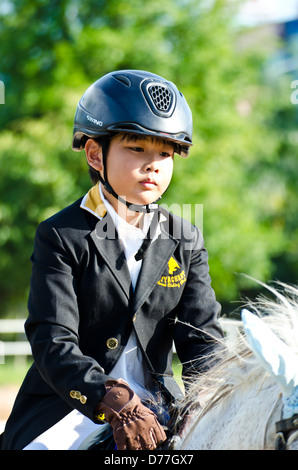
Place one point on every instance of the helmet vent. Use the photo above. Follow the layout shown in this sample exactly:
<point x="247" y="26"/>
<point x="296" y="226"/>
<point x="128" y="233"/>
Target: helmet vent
<point x="161" y="97"/>
<point x="123" y="79"/>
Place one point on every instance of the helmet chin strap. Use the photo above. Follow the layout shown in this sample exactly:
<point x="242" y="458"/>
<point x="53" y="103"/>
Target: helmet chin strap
<point x="131" y="206"/>
<point x="139" y="208"/>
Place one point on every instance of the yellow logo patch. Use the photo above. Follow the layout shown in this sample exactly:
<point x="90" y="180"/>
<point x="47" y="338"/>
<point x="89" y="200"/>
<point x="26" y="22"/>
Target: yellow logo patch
<point x="173" y="280"/>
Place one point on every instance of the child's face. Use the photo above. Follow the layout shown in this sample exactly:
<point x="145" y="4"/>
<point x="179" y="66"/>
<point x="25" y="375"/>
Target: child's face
<point x="140" y="170"/>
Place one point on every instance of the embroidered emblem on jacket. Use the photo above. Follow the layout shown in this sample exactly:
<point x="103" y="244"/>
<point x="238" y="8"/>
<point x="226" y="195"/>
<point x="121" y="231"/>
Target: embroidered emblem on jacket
<point x="175" y="279"/>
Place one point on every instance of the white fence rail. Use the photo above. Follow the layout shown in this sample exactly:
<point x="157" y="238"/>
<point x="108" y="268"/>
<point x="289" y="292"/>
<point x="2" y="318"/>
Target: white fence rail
<point x="21" y="347"/>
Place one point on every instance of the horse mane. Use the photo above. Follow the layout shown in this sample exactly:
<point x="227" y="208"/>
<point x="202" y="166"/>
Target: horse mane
<point x="237" y="366"/>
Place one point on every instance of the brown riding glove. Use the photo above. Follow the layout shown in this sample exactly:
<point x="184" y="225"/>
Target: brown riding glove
<point x="135" y="427"/>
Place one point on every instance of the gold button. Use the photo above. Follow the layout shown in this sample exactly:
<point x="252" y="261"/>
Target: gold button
<point x="112" y="343"/>
<point x="83" y="399"/>
<point x="75" y="394"/>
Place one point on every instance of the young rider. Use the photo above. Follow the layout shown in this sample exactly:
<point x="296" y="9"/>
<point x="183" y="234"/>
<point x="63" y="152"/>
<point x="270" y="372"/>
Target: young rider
<point x="116" y="281"/>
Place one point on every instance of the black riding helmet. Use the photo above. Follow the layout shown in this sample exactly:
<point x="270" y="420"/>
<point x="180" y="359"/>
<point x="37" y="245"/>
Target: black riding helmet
<point x="137" y="102"/>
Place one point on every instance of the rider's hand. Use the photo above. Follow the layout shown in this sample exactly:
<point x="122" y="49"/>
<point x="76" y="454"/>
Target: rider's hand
<point x="135" y="426"/>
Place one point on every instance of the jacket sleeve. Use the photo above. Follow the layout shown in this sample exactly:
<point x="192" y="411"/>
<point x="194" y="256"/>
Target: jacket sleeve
<point x="53" y="325"/>
<point x="197" y="332"/>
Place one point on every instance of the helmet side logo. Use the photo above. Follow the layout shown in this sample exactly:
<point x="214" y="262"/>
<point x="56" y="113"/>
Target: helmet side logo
<point x="95" y="121"/>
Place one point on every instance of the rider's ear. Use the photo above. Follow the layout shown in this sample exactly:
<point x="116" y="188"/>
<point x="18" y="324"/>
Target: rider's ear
<point x="94" y="154"/>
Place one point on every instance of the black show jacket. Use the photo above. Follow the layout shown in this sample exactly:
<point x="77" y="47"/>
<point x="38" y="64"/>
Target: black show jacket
<point x="82" y="310"/>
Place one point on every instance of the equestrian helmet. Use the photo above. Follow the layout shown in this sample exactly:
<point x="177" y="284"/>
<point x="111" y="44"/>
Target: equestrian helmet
<point x="133" y="101"/>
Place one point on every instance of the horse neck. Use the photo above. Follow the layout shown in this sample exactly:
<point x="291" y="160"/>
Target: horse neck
<point x="245" y="420"/>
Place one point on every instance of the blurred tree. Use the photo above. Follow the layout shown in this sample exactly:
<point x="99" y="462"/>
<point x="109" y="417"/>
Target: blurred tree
<point x="50" y="53"/>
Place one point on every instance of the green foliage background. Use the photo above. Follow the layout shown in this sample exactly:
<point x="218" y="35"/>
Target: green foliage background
<point x="242" y="168"/>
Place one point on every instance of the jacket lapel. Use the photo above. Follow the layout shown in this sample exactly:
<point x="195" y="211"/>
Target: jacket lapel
<point x="106" y="240"/>
<point x="107" y="243"/>
<point x="153" y="266"/>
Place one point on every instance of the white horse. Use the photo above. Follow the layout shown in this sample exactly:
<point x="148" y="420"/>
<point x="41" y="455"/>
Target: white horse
<point x="249" y="400"/>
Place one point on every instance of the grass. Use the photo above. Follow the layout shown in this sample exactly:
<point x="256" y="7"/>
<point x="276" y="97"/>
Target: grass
<point x="177" y="369"/>
<point x="13" y="371"/>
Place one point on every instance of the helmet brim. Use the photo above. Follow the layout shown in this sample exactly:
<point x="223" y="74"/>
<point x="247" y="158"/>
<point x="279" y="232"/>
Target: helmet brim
<point x="182" y="145"/>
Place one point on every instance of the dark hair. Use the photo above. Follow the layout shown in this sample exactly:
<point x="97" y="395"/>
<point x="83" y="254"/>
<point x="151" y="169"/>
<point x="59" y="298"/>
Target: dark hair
<point x="93" y="175"/>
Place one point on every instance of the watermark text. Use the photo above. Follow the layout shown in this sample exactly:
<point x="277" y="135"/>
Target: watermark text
<point x="174" y="225"/>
